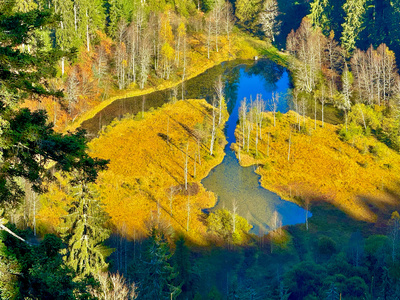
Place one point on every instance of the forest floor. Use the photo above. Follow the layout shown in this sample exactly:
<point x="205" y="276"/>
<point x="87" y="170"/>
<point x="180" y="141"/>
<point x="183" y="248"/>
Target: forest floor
<point x="145" y="181"/>
<point x="361" y="178"/>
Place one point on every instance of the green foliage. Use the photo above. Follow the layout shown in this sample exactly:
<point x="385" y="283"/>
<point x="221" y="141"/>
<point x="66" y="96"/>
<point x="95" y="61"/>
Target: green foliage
<point x="326" y="246"/>
<point x="352" y="26"/>
<point x="351" y="132"/>
<point x="355" y="288"/>
<point x="185" y="7"/>
<point x="29" y="136"/>
<point x="28" y="142"/>
<point x="181" y="261"/>
<point x="84" y="232"/>
<point x="318" y="14"/>
<point x="246" y="10"/>
<point x="9" y="268"/>
<point x="220" y="223"/>
<point x="305" y="279"/>
<point x="155" y="273"/>
<point x="40" y="270"/>
<point x="19" y="71"/>
<point x="91" y="16"/>
<point x="364" y="115"/>
<point x="119" y="10"/>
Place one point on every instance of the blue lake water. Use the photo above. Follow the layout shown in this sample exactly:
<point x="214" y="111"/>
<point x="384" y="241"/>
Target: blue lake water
<point x="228" y="180"/>
<point x="232" y="182"/>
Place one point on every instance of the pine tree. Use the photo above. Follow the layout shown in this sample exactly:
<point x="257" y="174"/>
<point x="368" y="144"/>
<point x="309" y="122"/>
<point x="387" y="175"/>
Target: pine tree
<point x="118" y="10"/>
<point x="84" y="232"/>
<point x="65" y="33"/>
<point x="25" y="5"/>
<point x="89" y="16"/>
<point x="332" y="293"/>
<point x="354" y="10"/>
<point x="156" y="273"/>
<point x="181" y="259"/>
<point x="318" y="15"/>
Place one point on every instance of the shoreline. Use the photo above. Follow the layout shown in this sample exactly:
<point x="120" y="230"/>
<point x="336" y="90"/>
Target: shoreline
<point x="210" y="63"/>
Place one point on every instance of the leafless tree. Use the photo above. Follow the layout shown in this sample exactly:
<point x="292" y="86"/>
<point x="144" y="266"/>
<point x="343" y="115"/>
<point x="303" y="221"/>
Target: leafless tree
<point x="209" y="28"/>
<point x="268" y="19"/>
<point x="216" y="13"/>
<point x="228" y="21"/>
<point x="121" y="55"/>
<point x="72" y="90"/>
<point x="219" y="90"/>
<point x="273" y="104"/>
<point x="145" y="56"/>
<point x="114" y="287"/>
<point x="100" y="64"/>
<point x="213" y="130"/>
<point x="243" y="114"/>
<point x="306" y="44"/>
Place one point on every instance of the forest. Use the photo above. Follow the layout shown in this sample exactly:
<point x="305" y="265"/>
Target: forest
<point x="107" y="198"/>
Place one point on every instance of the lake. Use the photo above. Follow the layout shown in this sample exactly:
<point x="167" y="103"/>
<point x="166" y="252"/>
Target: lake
<point x="229" y="181"/>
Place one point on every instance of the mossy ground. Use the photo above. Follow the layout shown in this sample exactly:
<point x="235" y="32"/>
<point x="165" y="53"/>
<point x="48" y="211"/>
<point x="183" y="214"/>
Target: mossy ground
<point x="147" y="158"/>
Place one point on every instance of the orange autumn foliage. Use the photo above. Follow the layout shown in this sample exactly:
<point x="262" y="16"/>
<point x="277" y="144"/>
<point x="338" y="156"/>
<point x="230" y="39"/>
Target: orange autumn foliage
<point x="147" y="163"/>
<point x="145" y="181"/>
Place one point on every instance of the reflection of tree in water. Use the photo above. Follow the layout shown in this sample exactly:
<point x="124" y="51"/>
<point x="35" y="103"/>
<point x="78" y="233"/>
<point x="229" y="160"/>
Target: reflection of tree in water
<point x="231" y="78"/>
<point x="202" y="86"/>
<point x="267" y="69"/>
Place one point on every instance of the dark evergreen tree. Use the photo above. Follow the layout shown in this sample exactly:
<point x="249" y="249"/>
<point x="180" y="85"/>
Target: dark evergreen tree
<point x="156" y="275"/>
<point x="84" y="232"/>
<point x="332" y="293"/>
<point x="181" y="260"/>
<point x="9" y="269"/>
<point x="65" y="33"/>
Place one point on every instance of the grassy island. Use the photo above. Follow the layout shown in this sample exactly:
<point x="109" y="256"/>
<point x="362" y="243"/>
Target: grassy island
<point x="356" y="176"/>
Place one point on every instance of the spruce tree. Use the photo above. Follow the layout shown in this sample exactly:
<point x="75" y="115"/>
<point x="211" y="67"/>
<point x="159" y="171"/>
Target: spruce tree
<point x="155" y="272"/>
<point x="319" y="14"/>
<point x="181" y="259"/>
<point x="65" y="34"/>
<point x="84" y="232"/>
<point x="352" y="26"/>
<point x="90" y="17"/>
<point x="118" y="10"/>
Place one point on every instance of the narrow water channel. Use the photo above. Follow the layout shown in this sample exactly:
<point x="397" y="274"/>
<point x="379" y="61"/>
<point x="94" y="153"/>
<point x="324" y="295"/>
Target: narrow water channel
<point x="228" y="180"/>
<point x="231" y="182"/>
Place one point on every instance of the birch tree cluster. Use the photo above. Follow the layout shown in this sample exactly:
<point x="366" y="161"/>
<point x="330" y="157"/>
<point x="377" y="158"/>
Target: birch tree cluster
<point x="375" y="75"/>
<point x="251" y="116"/>
<point x="325" y="74"/>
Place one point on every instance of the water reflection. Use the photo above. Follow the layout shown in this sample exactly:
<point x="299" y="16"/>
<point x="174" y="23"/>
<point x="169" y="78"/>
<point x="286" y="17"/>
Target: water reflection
<point x="229" y="180"/>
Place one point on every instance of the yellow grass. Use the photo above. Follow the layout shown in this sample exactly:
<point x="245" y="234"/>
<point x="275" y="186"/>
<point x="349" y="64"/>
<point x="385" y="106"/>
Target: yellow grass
<point x="145" y="164"/>
<point x="324" y="168"/>
<point x="242" y="46"/>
